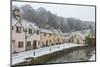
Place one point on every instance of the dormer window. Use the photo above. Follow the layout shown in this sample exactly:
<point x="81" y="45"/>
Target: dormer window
<point x="18" y="29"/>
<point x="30" y="31"/>
<point x="37" y="32"/>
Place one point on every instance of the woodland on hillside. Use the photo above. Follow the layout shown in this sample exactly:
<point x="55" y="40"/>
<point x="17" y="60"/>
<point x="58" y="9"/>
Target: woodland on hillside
<point x="47" y="19"/>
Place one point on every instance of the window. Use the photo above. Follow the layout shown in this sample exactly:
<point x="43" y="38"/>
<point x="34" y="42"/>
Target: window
<point x="28" y="44"/>
<point x="46" y="43"/>
<point x="50" y="41"/>
<point x="42" y="43"/>
<point x="18" y="29"/>
<point x="34" y="44"/>
<point x="12" y="28"/>
<point x="20" y="44"/>
<point x="37" y="32"/>
<point x="44" y="34"/>
<point x="30" y="31"/>
<point x="13" y="40"/>
<point x="50" y="35"/>
<point x="38" y="42"/>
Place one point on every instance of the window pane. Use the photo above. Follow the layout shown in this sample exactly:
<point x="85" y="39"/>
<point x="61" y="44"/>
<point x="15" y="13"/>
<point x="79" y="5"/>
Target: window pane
<point x="28" y="43"/>
<point x="20" y="44"/>
<point x="37" y="32"/>
<point x="30" y="31"/>
<point x="12" y="28"/>
<point x="18" y="29"/>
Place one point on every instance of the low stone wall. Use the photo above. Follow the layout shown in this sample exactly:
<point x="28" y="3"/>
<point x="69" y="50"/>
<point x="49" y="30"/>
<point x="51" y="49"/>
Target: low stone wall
<point x="45" y="58"/>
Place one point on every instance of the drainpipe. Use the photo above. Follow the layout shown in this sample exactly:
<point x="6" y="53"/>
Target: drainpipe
<point x="25" y="38"/>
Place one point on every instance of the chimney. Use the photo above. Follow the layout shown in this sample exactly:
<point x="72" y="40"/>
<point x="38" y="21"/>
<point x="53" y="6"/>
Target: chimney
<point x="16" y="14"/>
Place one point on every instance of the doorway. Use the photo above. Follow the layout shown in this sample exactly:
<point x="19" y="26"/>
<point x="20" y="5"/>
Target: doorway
<point x="34" y="44"/>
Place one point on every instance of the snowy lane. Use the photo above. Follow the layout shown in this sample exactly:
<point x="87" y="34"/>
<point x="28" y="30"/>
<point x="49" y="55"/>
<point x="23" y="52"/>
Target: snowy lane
<point x="20" y="57"/>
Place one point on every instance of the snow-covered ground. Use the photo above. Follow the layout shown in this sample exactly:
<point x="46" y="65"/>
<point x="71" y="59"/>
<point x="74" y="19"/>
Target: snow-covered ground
<point x="20" y="57"/>
<point x="93" y="56"/>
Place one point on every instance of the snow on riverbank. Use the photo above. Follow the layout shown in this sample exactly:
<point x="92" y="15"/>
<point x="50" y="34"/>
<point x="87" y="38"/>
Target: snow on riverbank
<point x="20" y="57"/>
<point x="93" y="56"/>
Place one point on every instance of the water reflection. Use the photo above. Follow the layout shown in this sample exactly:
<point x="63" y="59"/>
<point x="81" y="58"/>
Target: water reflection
<point x="78" y="55"/>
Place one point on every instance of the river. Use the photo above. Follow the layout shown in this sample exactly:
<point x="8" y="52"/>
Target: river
<point x="86" y="54"/>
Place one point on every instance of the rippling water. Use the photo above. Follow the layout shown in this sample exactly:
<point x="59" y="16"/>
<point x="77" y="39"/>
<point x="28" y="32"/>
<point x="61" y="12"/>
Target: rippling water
<point x="86" y="54"/>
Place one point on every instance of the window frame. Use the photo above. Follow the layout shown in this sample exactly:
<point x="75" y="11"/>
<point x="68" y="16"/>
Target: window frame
<point x="29" y="31"/>
<point x="28" y="43"/>
<point x="45" y="34"/>
<point x="37" y="32"/>
<point x="18" y="29"/>
<point x="12" y="27"/>
<point x="20" y="44"/>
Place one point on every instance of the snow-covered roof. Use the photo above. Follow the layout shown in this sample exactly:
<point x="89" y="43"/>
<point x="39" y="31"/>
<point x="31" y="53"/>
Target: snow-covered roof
<point x="45" y="30"/>
<point x="60" y="32"/>
<point x="65" y="34"/>
<point x="26" y="24"/>
<point x="14" y="21"/>
<point x="68" y="35"/>
<point x="52" y="31"/>
<point x="55" y="31"/>
<point x="85" y="32"/>
<point x="72" y="34"/>
<point x="82" y="33"/>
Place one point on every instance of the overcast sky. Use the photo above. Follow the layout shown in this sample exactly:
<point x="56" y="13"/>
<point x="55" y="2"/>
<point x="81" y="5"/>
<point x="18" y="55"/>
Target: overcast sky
<point x="85" y="13"/>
